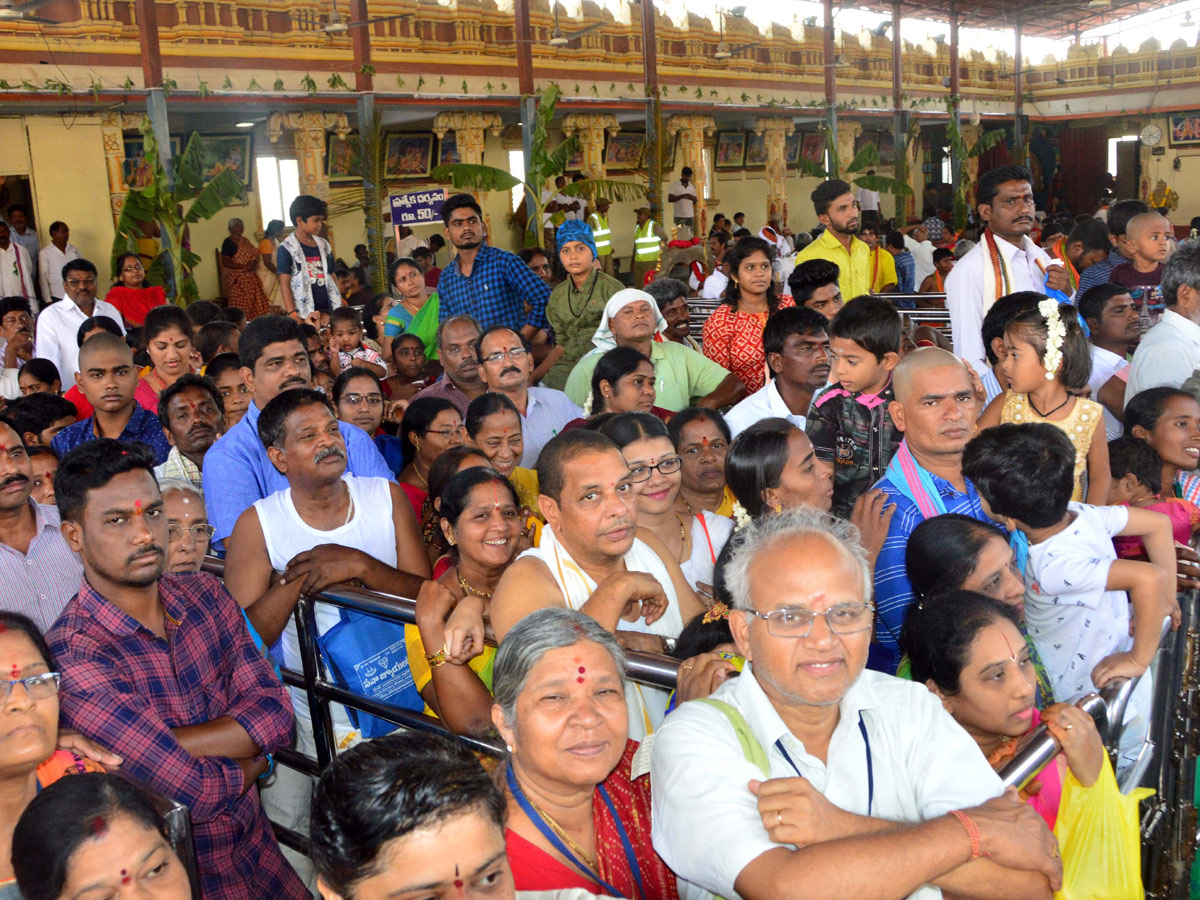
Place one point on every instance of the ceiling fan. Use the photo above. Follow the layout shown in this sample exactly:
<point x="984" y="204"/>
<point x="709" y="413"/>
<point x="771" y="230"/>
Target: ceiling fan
<point x="560" y="38"/>
<point x="338" y="25"/>
<point x="11" y="12"/>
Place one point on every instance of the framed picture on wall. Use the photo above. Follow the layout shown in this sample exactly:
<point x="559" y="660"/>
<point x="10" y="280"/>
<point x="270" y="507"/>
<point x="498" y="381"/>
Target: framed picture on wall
<point x="339" y="158"/>
<point x="234" y="152"/>
<point x="575" y="163"/>
<point x="756" y="150"/>
<point x="448" y="150"/>
<point x="625" y="149"/>
<point x="1185" y="131"/>
<point x="813" y="148"/>
<point x="135" y="168"/>
<point x="409" y="155"/>
<point x="731" y="150"/>
<point x="791" y="148"/>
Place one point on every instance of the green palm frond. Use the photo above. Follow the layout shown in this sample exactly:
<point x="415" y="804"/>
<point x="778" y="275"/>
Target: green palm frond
<point x="617" y="191"/>
<point x="867" y="158"/>
<point x="556" y="162"/>
<point x="466" y="176"/>
<point x="883" y="184"/>
<point x="986" y="142"/>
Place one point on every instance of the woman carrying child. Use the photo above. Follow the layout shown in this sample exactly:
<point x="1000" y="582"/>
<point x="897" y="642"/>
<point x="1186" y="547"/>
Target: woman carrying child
<point x="1048" y="363"/>
<point x="1137" y="481"/>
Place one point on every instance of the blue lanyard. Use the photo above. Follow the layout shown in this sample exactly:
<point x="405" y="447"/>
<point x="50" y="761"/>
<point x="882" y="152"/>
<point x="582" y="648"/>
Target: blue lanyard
<point x="556" y="842"/>
<point x="862" y="727"/>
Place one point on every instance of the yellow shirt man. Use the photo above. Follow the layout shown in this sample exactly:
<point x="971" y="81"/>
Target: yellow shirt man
<point x="854" y="265"/>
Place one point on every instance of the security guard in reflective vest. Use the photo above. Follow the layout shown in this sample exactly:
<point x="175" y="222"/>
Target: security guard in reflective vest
<point x="647" y="245"/>
<point x="603" y="235"/>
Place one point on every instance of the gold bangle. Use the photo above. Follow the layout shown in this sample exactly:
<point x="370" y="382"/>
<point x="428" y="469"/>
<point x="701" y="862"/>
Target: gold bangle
<point x="436" y="659"/>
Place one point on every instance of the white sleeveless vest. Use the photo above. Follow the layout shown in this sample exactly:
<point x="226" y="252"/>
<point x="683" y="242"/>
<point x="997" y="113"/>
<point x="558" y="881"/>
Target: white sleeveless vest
<point x="287" y="535"/>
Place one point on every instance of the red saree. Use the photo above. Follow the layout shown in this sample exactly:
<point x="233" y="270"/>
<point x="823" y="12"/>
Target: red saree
<point x="536" y="870"/>
<point x="243" y="287"/>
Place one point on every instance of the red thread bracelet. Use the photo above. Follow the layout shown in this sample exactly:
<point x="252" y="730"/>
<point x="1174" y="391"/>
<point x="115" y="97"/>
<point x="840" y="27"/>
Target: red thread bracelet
<point x="972" y="832"/>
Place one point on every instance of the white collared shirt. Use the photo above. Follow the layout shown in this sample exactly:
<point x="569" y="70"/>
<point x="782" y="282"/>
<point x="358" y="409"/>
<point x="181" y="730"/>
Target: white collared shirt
<point x="964" y="293"/>
<point x="50" y="263"/>
<point x="17" y="273"/>
<point x="922" y="252"/>
<point x="546" y="412"/>
<point x="714" y="285"/>
<point x="57" y="326"/>
<point x="685" y="208"/>
<point x="706" y="822"/>
<point x="1106" y="364"/>
<point x="764" y="403"/>
<point x="1167" y="354"/>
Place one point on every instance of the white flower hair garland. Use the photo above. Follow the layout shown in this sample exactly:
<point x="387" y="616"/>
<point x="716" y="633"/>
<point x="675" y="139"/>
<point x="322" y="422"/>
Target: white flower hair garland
<point x="1056" y="333"/>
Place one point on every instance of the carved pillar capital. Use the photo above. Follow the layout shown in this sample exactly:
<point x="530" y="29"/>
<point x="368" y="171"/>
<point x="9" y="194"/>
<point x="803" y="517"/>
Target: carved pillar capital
<point x="775" y="132"/>
<point x="468" y="128"/>
<point x="591" y="128"/>
<point x="694" y="132"/>
<point x="308" y="136"/>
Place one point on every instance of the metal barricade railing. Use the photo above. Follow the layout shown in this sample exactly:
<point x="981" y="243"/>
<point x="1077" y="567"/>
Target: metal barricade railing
<point x="1167" y="760"/>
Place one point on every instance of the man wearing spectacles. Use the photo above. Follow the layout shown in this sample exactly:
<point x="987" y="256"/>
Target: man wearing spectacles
<point x="192" y="415"/>
<point x="59" y="322"/>
<point x="830" y="779"/>
<point x="485" y="282"/>
<point x="39" y="573"/>
<point x="506" y="362"/>
<point x="16" y="343"/>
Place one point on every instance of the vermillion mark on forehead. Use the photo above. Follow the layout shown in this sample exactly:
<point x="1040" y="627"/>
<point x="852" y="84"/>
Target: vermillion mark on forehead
<point x="1012" y="654"/>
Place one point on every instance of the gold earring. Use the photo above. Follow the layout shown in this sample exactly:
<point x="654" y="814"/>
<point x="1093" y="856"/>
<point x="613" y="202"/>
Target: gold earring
<point x="777" y="507"/>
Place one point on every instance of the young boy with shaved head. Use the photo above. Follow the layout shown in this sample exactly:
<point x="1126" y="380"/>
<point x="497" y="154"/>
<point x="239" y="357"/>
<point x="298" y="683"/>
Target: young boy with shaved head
<point x="1146" y="242"/>
<point x="108" y="379"/>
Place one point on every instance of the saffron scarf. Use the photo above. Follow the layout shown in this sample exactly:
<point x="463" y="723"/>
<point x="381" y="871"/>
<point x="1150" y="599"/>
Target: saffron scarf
<point x="1059" y="251"/>
<point x="997" y="282"/>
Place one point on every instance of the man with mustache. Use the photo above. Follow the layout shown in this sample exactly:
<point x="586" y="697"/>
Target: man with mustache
<point x="506" y="362"/>
<point x="837" y="210"/>
<point x="797" y="348"/>
<point x="237" y="470"/>
<point x="39" y="573"/>
<point x="193" y="415"/>
<point x="58" y="324"/>
<point x="457" y="338"/>
<point x="592" y="558"/>
<point x="162" y="669"/>
<point x="16" y="343"/>
<point x="1005" y="261"/>
<point x="108" y="379"/>
<point x="326" y="527"/>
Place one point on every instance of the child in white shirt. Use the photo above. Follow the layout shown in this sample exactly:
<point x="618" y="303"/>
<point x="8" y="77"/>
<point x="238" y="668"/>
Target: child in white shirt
<point x="1076" y="607"/>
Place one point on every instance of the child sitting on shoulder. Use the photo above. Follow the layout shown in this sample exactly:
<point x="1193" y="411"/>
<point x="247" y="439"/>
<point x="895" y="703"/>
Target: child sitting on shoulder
<point x="1047" y="362"/>
<point x="1137" y="481"/>
<point x="849" y="425"/>
<point x="346" y="344"/>
<point x="1146" y="242"/>
<point x="1076" y="607"/>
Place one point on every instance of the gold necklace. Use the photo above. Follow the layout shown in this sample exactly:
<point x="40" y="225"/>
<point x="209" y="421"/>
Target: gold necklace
<point x="683" y="535"/>
<point x="466" y="586"/>
<point x="566" y="838"/>
<point x="417" y="472"/>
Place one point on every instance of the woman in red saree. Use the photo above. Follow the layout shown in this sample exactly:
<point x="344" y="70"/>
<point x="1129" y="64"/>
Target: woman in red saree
<point x="131" y="295"/>
<point x="239" y="263"/>
<point x="578" y="817"/>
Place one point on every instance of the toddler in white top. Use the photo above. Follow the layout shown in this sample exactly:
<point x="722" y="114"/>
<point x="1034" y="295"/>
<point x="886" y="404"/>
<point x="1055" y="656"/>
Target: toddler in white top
<point x="1077" y="593"/>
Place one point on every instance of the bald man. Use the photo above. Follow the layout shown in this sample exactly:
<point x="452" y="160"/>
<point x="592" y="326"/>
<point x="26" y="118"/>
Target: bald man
<point x="936" y="407"/>
<point x="108" y="379"/>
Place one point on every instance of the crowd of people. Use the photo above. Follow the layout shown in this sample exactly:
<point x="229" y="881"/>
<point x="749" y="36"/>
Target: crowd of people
<point x="878" y="556"/>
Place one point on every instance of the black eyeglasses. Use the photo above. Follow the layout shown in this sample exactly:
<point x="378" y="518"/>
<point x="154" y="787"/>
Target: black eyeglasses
<point x="640" y="473"/>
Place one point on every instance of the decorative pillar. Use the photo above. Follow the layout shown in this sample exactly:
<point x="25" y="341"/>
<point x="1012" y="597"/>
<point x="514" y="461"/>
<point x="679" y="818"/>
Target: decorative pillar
<point x="694" y="132"/>
<point x="113" y="126"/>
<point x="847" y="134"/>
<point x="775" y="133"/>
<point x="468" y="128"/>
<point x="591" y="128"/>
<point x="308" y="135"/>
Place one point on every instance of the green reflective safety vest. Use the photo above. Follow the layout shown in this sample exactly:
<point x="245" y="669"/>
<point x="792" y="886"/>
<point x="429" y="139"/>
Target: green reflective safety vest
<point x="602" y="234"/>
<point x="646" y="244"/>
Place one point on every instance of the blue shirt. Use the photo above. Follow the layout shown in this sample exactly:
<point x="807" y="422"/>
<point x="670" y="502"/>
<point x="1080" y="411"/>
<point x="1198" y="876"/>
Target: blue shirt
<point x="237" y="470"/>
<point x="142" y="426"/>
<point x="893" y="590"/>
<point x="495" y="292"/>
<point x="1099" y="273"/>
<point x="906" y="272"/>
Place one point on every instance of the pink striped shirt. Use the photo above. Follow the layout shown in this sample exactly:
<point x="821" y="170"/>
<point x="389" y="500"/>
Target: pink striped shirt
<point x="39" y="583"/>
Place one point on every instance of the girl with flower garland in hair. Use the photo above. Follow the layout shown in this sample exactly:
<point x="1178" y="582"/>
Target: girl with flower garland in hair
<point x="1047" y="366"/>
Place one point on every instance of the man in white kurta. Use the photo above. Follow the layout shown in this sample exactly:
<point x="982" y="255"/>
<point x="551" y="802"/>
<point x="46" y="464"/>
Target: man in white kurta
<point x="809" y="776"/>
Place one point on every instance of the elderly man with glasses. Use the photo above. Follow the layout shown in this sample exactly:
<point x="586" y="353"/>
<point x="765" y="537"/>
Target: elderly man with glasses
<point x="828" y="780"/>
<point x="505" y="363"/>
<point x="58" y="323"/>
